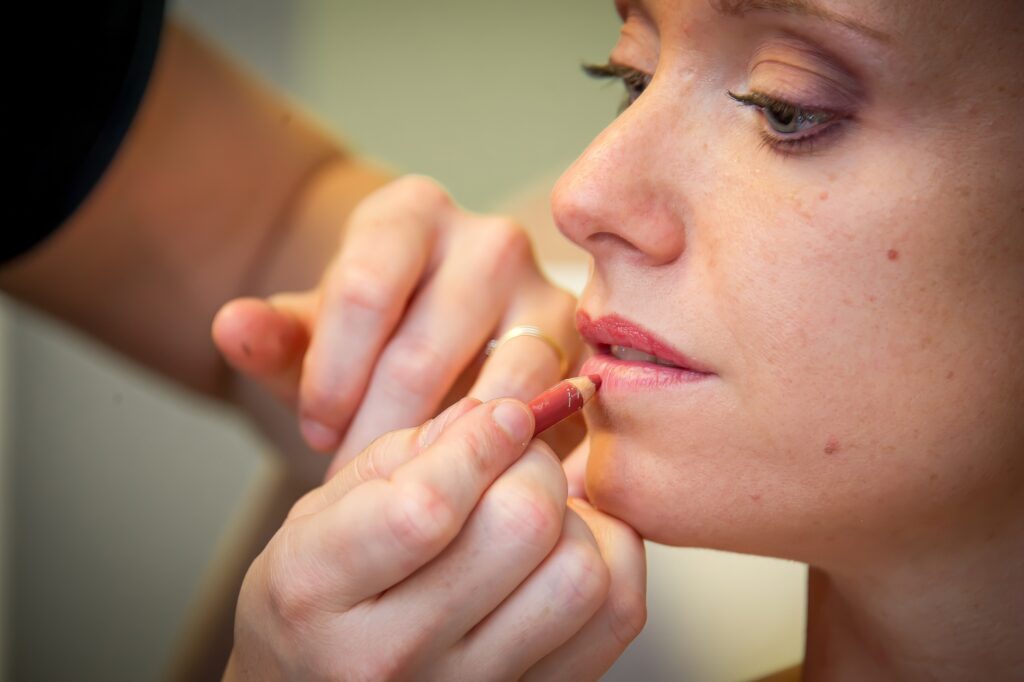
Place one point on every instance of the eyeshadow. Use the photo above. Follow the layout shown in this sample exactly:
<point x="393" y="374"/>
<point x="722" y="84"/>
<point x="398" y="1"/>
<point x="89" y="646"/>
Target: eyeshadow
<point x="800" y="70"/>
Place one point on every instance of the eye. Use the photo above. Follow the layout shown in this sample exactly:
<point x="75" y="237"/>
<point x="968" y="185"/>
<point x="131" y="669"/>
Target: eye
<point x="634" y="81"/>
<point x="787" y="123"/>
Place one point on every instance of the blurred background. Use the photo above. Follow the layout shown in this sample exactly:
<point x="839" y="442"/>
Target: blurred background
<point x="120" y="491"/>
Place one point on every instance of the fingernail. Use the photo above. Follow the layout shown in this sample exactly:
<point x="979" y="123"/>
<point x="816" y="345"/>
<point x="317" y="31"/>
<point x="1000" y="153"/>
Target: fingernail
<point x="318" y="436"/>
<point x="512" y="417"/>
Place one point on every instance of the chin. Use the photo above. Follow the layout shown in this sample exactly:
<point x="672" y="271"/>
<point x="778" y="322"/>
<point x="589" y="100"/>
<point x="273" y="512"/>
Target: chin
<point x="630" y="483"/>
<point x="686" y="497"/>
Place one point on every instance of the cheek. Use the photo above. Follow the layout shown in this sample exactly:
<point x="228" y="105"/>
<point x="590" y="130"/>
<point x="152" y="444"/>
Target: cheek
<point x="865" y="288"/>
<point x="875" y="335"/>
<point x="867" y="372"/>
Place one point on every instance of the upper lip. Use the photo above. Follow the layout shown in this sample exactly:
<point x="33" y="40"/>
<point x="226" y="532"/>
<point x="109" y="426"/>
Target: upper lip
<point x="613" y="330"/>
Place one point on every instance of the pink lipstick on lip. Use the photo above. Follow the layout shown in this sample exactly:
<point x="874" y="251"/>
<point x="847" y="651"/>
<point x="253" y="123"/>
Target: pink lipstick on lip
<point x="613" y="330"/>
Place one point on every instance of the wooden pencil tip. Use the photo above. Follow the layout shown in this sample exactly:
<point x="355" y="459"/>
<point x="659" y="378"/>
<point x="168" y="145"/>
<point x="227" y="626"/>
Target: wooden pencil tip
<point x="596" y="379"/>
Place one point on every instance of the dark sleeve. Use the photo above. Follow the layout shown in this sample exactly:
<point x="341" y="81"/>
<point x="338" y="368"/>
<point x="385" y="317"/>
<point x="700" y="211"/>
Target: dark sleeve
<point x="86" y="66"/>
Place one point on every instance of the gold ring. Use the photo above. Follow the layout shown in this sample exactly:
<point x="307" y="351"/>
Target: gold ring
<point x="527" y="330"/>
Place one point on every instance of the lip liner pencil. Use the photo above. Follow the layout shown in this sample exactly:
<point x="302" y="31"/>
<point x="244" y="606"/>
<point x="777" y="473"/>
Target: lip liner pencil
<point x="561" y="400"/>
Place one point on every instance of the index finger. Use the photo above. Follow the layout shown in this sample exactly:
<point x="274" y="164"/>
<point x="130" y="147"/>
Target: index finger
<point x="387" y="247"/>
<point x="380" y="459"/>
<point x="382" y="531"/>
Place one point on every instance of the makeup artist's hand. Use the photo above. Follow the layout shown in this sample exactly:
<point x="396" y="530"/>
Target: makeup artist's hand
<point x="400" y="319"/>
<point x="575" y="468"/>
<point x="444" y="552"/>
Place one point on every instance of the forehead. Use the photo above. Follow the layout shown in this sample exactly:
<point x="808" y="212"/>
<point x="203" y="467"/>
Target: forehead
<point x="961" y="33"/>
<point x="816" y="9"/>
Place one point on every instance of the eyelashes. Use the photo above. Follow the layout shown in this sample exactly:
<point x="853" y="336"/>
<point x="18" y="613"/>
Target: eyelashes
<point x="634" y="81"/>
<point x="788" y="127"/>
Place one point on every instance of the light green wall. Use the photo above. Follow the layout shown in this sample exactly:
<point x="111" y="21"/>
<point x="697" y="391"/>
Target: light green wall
<point x="483" y="95"/>
<point x="486" y="96"/>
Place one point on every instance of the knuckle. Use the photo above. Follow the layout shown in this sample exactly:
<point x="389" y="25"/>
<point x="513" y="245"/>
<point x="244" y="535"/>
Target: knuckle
<point x="382" y="456"/>
<point x="481" y="451"/>
<point x="304" y="505"/>
<point x="415" y="191"/>
<point x="507" y="235"/>
<point x="548" y="462"/>
<point x="508" y="244"/>
<point x="356" y="285"/>
<point x="525" y="515"/>
<point x="325" y="402"/>
<point x="426" y="433"/>
<point x="477" y="450"/>
<point x="584" y="574"/>
<point x="415" y="367"/>
<point x="627" y="609"/>
<point x="290" y="590"/>
<point x="422" y="521"/>
<point x="366" y="466"/>
<point x="370" y="668"/>
<point x="373" y="463"/>
<point x="422" y="192"/>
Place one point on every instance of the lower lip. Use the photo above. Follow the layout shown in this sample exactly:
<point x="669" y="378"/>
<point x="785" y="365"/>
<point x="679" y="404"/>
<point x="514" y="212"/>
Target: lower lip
<point x="627" y="375"/>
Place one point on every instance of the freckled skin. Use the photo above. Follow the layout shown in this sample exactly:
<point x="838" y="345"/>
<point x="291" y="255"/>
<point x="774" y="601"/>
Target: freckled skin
<point x="732" y="253"/>
<point x="836" y="295"/>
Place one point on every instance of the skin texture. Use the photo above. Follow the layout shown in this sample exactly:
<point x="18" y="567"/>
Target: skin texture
<point x="441" y="553"/>
<point x="452" y="542"/>
<point x="393" y="331"/>
<point x="860" y="301"/>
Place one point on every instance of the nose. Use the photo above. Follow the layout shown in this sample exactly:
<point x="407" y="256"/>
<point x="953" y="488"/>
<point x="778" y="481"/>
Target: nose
<point x="625" y="193"/>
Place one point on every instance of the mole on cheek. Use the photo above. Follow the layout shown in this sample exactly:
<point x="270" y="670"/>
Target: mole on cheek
<point x="893" y="254"/>
<point x="831" y="445"/>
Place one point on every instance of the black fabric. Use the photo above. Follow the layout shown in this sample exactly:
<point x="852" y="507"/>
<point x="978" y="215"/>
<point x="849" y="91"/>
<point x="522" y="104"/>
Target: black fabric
<point x="85" y="66"/>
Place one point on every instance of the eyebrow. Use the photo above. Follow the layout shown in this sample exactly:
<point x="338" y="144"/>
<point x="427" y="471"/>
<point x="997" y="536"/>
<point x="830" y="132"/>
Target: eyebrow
<point x="808" y="8"/>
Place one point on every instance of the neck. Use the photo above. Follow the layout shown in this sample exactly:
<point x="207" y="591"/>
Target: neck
<point x="954" y="614"/>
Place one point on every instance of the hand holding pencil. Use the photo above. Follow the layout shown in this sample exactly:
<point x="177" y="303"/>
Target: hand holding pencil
<point x="446" y="551"/>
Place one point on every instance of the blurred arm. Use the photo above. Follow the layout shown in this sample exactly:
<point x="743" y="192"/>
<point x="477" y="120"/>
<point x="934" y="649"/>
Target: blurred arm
<point x="220" y="189"/>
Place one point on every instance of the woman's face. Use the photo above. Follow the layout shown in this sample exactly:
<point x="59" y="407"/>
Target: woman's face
<point x="838" y="250"/>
